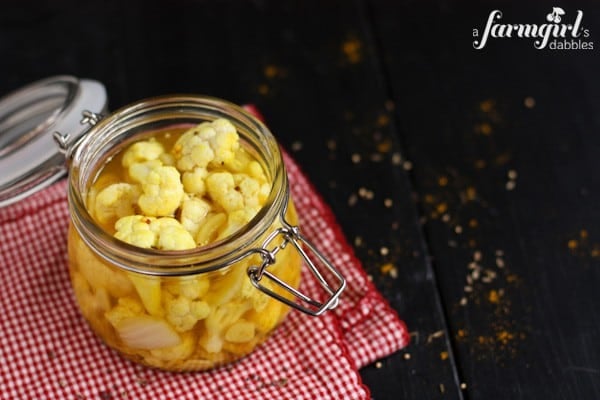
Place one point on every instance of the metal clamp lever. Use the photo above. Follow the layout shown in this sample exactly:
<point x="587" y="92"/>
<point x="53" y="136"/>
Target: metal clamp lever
<point x="311" y="306"/>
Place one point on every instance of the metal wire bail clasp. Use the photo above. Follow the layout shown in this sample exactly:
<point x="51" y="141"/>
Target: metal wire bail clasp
<point x="306" y="304"/>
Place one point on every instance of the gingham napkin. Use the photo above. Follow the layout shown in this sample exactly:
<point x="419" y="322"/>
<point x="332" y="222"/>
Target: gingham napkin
<point x="48" y="352"/>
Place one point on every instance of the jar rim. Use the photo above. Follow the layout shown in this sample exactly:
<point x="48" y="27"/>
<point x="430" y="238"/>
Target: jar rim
<point x="92" y="150"/>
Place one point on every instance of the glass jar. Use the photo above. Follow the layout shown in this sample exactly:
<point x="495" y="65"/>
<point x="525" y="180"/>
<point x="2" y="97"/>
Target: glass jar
<point x="188" y="310"/>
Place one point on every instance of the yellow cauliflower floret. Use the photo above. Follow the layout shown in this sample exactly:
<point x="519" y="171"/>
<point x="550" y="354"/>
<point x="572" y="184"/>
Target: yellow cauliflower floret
<point x="142" y="151"/>
<point x="251" y="190"/>
<point x="193" y="181"/>
<point x="139" y="171"/>
<point x="225" y="142"/>
<point x="183" y="313"/>
<point x="221" y="188"/>
<point x="236" y="220"/>
<point x="241" y="331"/>
<point x="174" y="353"/>
<point x="218" y="320"/>
<point x="210" y="228"/>
<point x="172" y="235"/>
<point x="135" y="230"/>
<point x="162" y="192"/>
<point x="116" y="201"/>
<point x="193" y="213"/>
<point x="192" y="288"/>
<point x="210" y="143"/>
<point x="148" y="232"/>
<point x="256" y="171"/>
<point x="125" y="308"/>
<point x="193" y="148"/>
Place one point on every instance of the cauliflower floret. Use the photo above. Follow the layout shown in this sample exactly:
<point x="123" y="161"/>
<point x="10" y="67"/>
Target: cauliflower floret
<point x="192" y="288"/>
<point x="142" y="151"/>
<point x="116" y="201"/>
<point x="251" y="190"/>
<point x="241" y="331"/>
<point x="218" y="320"/>
<point x="163" y="192"/>
<point x="225" y="142"/>
<point x="174" y="354"/>
<point x="125" y="308"/>
<point x="183" y="313"/>
<point x="256" y="171"/>
<point x="210" y="143"/>
<point x="135" y="230"/>
<point x="193" y="149"/>
<point x="193" y="181"/>
<point x="172" y="235"/>
<point x="162" y="233"/>
<point x="221" y="188"/>
<point x="139" y="172"/>
<point x="193" y="213"/>
<point x="236" y="220"/>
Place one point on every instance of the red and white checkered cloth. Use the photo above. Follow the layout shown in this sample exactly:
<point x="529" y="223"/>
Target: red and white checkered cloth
<point x="48" y="352"/>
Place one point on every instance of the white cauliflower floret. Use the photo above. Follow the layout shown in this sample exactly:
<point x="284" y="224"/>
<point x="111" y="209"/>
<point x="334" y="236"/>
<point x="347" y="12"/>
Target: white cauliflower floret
<point x="162" y="233"/>
<point x="222" y="189"/>
<point x="183" y="313"/>
<point x="162" y="192"/>
<point x="193" y="213"/>
<point x="142" y="151"/>
<point x="193" y="181"/>
<point x="116" y="201"/>
<point x="210" y="143"/>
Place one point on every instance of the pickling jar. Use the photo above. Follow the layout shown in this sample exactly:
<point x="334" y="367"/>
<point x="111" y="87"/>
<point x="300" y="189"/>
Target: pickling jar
<point x="184" y="310"/>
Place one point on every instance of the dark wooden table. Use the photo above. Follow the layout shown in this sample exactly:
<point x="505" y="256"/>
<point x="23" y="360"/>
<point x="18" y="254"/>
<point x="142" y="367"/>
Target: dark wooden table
<point x="468" y="180"/>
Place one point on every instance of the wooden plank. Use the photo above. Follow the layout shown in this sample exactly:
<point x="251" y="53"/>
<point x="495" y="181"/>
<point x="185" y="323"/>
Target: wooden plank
<point x="505" y="150"/>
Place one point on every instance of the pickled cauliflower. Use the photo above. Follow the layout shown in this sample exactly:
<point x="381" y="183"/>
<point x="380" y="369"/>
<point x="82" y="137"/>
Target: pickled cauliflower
<point x="213" y="144"/>
<point x="161" y="233"/>
<point x="178" y="190"/>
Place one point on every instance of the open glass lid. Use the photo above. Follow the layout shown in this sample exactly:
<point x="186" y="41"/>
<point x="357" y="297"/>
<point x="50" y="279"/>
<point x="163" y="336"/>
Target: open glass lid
<point x="30" y="158"/>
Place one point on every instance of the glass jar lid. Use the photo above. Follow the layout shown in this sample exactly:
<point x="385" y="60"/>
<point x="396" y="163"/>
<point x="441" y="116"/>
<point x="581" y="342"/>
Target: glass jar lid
<point x="30" y="117"/>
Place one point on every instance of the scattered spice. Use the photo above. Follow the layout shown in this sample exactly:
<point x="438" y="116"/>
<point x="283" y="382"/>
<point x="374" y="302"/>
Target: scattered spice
<point x="355" y="158"/>
<point x="443" y="181"/>
<point x="384" y="251"/>
<point x="406" y="356"/>
<point x="396" y="159"/>
<point x="388" y="203"/>
<point x="444" y="355"/>
<point x="352" y="50"/>
<point x="529" y="102"/>
<point x="510" y="185"/>
<point x="407" y="165"/>
<point x="435" y="335"/>
<point x="493" y="296"/>
<point x="442" y="388"/>
<point x="297" y="146"/>
<point x="383" y="120"/>
<point x="463" y="386"/>
<point x="378" y="364"/>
